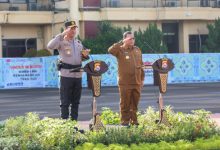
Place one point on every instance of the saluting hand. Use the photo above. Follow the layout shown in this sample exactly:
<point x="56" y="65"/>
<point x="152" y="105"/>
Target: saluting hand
<point x="128" y="39"/>
<point x="125" y="40"/>
<point x="66" y="31"/>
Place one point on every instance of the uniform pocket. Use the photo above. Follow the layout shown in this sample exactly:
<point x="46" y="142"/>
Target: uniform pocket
<point x="126" y="57"/>
<point x="138" y="55"/>
<point x="138" y="59"/>
<point x="67" y="48"/>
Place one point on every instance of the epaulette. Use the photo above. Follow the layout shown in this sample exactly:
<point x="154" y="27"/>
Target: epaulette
<point x="137" y="48"/>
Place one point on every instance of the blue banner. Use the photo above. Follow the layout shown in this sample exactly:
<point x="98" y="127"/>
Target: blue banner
<point x="42" y="72"/>
<point x="110" y="77"/>
<point x="50" y="69"/>
<point x="23" y="72"/>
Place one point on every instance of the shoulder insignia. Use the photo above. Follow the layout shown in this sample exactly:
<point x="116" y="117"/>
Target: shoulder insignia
<point x="137" y="48"/>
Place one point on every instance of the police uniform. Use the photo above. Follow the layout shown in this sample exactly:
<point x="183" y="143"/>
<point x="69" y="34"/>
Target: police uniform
<point x="130" y="77"/>
<point x="70" y="82"/>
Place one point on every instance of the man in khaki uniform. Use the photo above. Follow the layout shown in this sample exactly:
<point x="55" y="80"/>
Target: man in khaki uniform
<point x="131" y="77"/>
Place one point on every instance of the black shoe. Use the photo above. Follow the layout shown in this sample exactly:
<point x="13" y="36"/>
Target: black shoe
<point x="79" y="130"/>
<point x="73" y="119"/>
<point x="76" y="128"/>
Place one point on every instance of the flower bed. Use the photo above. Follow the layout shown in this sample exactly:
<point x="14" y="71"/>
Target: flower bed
<point x="30" y="132"/>
<point x="200" y="144"/>
<point x="186" y="131"/>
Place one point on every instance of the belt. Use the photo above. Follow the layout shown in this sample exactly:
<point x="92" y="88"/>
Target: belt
<point x="69" y="66"/>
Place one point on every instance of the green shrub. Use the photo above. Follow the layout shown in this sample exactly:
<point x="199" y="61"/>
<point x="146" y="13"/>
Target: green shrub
<point x="37" y="53"/>
<point x="107" y="35"/>
<point x="212" y="44"/>
<point x="186" y="131"/>
<point x="9" y="143"/>
<point x="182" y="127"/>
<point x="200" y="144"/>
<point x="1" y="130"/>
<point x="43" y="52"/>
<point x="33" y="133"/>
<point x="109" y="117"/>
<point x="30" y="53"/>
<point x="149" y="40"/>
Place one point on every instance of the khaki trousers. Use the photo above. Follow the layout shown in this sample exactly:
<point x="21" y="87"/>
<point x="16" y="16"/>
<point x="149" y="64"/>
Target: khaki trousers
<point x="129" y="100"/>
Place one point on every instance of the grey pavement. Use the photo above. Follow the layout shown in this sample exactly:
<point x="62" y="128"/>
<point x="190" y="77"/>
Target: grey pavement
<point x="182" y="97"/>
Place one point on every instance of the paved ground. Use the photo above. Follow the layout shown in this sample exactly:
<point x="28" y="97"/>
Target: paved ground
<point x="216" y="118"/>
<point x="183" y="97"/>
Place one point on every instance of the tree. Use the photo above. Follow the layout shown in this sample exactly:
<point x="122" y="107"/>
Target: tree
<point x="150" y="40"/>
<point x="213" y="40"/>
<point x="107" y="35"/>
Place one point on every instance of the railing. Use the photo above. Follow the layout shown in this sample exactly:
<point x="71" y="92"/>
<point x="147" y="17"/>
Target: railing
<point x="159" y="3"/>
<point x="45" y="6"/>
<point x="26" y="7"/>
<point x="204" y="3"/>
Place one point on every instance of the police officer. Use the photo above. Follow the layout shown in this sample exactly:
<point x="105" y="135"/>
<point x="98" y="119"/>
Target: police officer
<point x="130" y="77"/>
<point x="71" y="52"/>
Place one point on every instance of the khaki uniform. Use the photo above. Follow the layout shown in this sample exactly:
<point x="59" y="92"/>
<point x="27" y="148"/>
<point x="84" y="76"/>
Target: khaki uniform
<point x="130" y="77"/>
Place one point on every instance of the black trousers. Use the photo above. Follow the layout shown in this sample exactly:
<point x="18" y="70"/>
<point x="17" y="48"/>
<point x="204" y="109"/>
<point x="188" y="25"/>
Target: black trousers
<point x="70" y="94"/>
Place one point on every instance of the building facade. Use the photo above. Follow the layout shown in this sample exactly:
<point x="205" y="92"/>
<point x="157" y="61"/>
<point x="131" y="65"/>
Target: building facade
<point x="29" y="24"/>
<point x="26" y="24"/>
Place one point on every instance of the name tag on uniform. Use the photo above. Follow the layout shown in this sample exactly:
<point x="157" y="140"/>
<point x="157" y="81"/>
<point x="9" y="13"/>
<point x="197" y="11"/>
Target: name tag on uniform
<point x="68" y="51"/>
<point x="126" y="55"/>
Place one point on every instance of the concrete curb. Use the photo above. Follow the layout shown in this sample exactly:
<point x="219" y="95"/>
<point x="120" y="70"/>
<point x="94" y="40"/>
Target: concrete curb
<point x="84" y="125"/>
<point x="216" y="118"/>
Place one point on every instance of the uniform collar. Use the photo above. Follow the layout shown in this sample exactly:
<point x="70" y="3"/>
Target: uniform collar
<point x="71" y="40"/>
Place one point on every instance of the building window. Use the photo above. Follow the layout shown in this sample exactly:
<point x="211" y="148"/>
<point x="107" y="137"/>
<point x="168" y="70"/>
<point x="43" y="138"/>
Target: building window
<point x="17" y="47"/>
<point x="32" y="1"/>
<point x="18" y="1"/>
<point x="204" y="3"/>
<point x="114" y="3"/>
<point x="91" y="3"/>
<point x="91" y="29"/>
<point x="171" y="3"/>
<point x="171" y="36"/>
<point x="196" y="42"/>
